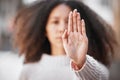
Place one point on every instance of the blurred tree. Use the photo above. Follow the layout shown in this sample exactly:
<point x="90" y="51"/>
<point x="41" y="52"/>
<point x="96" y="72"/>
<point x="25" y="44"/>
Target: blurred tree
<point x="116" y="12"/>
<point x="8" y="9"/>
<point x="115" y="67"/>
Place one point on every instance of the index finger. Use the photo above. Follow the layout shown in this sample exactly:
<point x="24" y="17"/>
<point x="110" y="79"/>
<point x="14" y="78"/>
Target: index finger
<point x="70" y="22"/>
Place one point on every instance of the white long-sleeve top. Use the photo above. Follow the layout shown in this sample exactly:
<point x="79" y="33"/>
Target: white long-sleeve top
<point x="58" y="68"/>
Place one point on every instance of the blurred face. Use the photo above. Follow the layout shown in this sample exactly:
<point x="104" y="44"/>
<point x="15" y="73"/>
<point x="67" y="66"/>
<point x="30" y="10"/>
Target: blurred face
<point x="57" y="22"/>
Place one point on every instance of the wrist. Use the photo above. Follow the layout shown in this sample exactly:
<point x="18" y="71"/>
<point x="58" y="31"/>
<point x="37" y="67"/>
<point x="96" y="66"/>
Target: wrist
<point x="77" y="66"/>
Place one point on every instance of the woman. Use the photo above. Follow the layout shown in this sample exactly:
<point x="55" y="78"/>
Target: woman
<point x="52" y="33"/>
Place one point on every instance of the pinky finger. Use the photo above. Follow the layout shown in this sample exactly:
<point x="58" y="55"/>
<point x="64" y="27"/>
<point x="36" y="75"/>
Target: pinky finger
<point x="83" y="27"/>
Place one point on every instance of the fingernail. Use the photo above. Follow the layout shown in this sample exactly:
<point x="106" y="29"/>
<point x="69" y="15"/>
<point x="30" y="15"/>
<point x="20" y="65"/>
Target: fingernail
<point x="78" y="13"/>
<point x="75" y="10"/>
<point x="70" y="12"/>
<point x="82" y="20"/>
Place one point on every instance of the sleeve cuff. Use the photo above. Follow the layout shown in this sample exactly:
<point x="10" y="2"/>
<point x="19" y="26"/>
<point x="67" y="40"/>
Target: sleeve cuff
<point x="92" y="69"/>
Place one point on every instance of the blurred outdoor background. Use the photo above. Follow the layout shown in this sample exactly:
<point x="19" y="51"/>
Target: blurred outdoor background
<point x="11" y="63"/>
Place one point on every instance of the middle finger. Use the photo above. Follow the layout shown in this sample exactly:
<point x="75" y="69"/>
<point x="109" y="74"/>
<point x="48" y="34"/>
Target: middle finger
<point x="75" y="20"/>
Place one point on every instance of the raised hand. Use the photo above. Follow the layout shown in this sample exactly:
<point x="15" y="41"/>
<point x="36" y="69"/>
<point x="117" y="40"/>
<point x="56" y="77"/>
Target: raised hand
<point x="74" y="38"/>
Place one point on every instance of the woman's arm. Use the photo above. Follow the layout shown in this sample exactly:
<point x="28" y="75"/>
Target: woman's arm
<point x="91" y="70"/>
<point x="75" y="43"/>
<point x="75" y="40"/>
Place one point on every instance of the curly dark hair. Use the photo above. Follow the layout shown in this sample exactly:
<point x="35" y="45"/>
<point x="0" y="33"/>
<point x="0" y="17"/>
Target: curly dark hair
<point x="30" y="24"/>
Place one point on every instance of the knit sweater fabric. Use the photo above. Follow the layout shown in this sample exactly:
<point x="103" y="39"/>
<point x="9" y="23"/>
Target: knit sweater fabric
<point x="59" y="68"/>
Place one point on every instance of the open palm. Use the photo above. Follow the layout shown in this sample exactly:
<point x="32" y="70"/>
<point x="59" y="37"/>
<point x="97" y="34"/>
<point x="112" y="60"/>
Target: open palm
<point x="75" y="41"/>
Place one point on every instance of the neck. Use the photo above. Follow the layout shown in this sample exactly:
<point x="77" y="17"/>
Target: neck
<point x="56" y="51"/>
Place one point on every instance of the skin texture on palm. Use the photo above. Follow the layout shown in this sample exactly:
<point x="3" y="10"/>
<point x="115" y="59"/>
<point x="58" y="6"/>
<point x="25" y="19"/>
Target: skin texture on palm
<point x="75" y="41"/>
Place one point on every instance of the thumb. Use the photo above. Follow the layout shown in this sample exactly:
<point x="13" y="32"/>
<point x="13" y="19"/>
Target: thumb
<point x="65" y="37"/>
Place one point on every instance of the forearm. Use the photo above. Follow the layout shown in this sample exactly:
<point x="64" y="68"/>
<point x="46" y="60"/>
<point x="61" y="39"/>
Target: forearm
<point x="92" y="70"/>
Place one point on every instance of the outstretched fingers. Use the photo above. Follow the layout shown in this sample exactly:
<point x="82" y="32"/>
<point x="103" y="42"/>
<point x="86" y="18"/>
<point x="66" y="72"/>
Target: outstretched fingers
<point x="74" y="22"/>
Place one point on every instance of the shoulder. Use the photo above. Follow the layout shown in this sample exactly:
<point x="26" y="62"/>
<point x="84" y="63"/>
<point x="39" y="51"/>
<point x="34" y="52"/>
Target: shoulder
<point x="30" y="66"/>
<point x="28" y="69"/>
